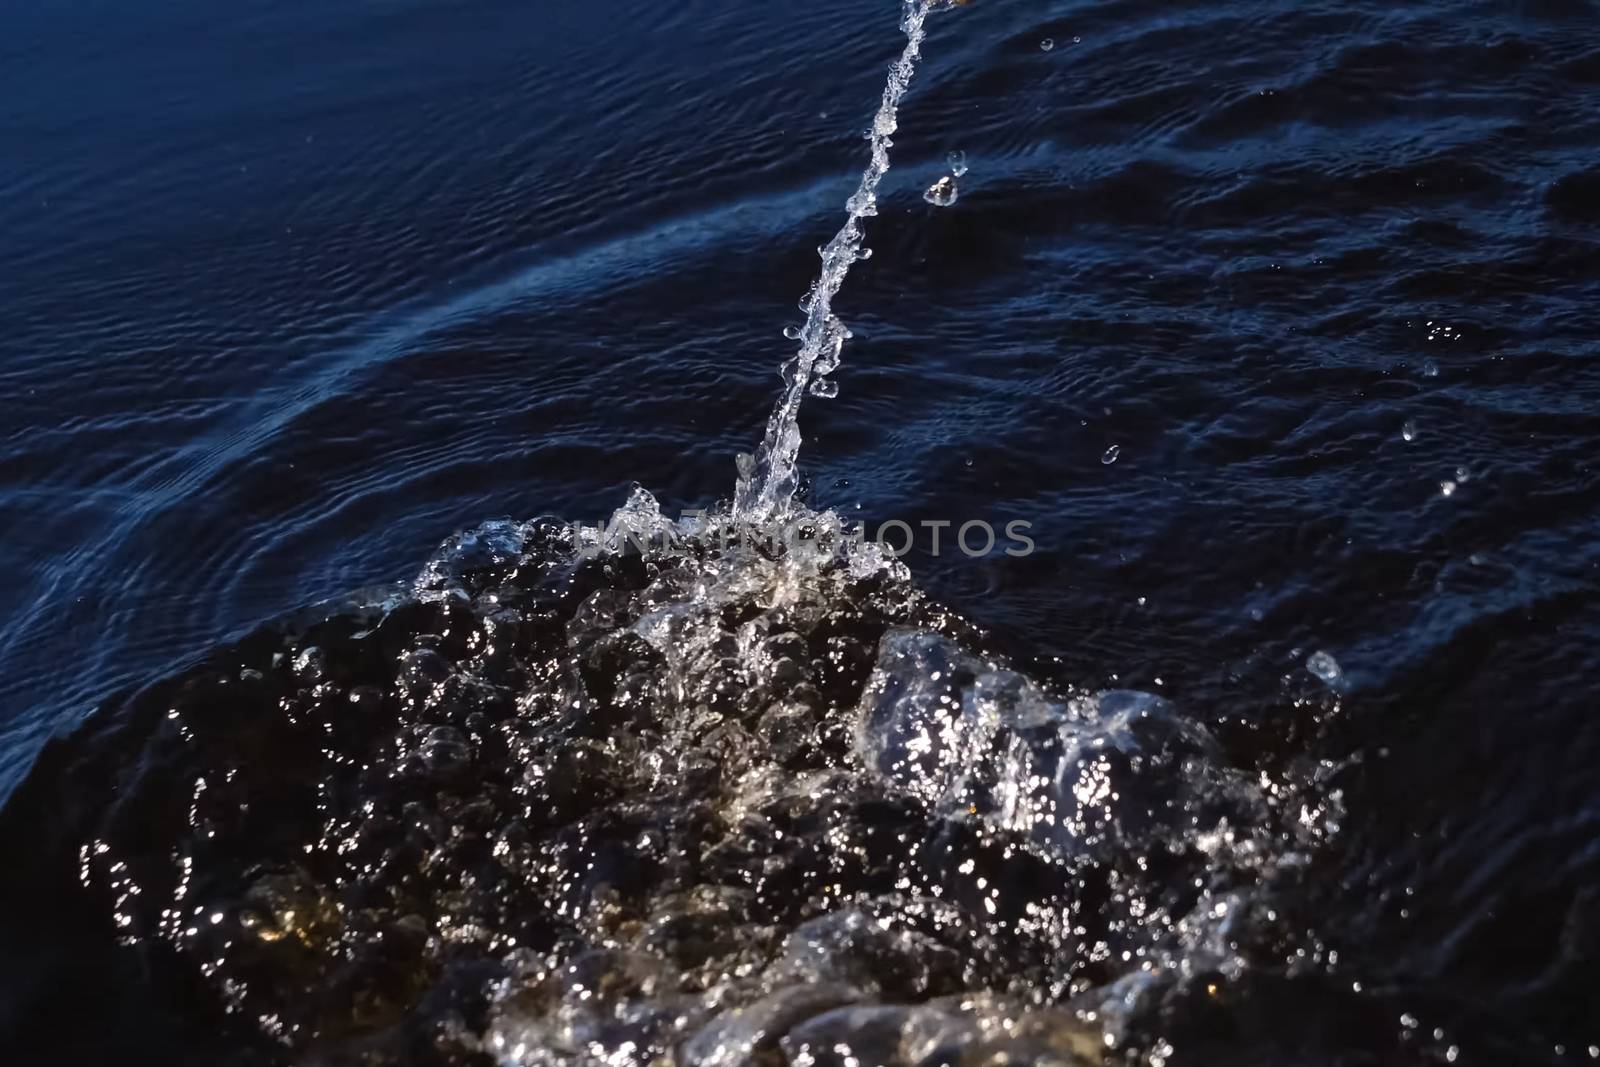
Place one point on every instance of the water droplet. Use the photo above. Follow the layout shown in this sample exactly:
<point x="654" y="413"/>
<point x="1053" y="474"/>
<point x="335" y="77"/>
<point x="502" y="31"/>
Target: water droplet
<point x="1430" y="369"/>
<point x="1325" y="667"/>
<point x="958" y="162"/>
<point x="865" y="253"/>
<point x="1409" y="430"/>
<point x="793" y="334"/>
<point x="1463" y="475"/>
<point x="826" y="388"/>
<point x="446" y="752"/>
<point x="1447" y="488"/>
<point x="1111" y="455"/>
<point x="1047" y="44"/>
<point x="942" y="193"/>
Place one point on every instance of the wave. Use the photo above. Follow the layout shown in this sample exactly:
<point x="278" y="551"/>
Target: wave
<point x="694" y="802"/>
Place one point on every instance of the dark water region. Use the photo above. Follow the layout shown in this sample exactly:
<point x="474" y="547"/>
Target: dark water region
<point x="1277" y="321"/>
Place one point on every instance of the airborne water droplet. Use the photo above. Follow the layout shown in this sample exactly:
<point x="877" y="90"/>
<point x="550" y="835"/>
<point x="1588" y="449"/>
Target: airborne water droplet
<point x="1325" y="667"/>
<point x="1409" y="430"/>
<point x="942" y="193"/>
<point x="958" y="162"/>
<point x="1047" y="44"/>
<point x="1111" y="455"/>
<point x="793" y="334"/>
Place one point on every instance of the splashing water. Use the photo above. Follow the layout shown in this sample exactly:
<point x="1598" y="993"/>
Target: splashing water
<point x="942" y="193"/>
<point x="767" y="480"/>
<point x="676" y="806"/>
<point x="694" y="802"/>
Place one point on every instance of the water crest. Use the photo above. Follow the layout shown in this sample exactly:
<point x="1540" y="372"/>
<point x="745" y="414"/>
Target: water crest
<point x="672" y="804"/>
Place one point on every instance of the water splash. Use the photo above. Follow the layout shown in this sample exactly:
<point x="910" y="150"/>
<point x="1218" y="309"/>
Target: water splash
<point x="1327" y="668"/>
<point x="673" y="805"/>
<point x="767" y="480"/>
<point x="650" y="793"/>
<point x="942" y="193"/>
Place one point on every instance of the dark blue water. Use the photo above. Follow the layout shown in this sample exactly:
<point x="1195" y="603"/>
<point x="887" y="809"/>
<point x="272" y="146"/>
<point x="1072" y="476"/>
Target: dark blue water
<point x="294" y="292"/>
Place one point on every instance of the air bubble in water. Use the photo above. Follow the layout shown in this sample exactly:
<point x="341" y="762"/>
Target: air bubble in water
<point x="942" y="193"/>
<point x="1047" y="44"/>
<point x="1409" y="430"/>
<point x="1325" y="667"/>
<point x="958" y="162"/>
<point x="1111" y="455"/>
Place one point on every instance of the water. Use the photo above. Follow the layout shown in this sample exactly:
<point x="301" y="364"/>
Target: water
<point x="767" y="480"/>
<point x="1269" y="751"/>
<point x="943" y="192"/>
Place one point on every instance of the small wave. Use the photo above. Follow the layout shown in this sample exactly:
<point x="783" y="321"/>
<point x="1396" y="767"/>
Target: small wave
<point x="693" y="801"/>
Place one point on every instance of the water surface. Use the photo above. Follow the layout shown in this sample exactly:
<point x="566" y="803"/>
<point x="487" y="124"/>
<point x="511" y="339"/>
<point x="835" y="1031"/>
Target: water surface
<point x="295" y="293"/>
